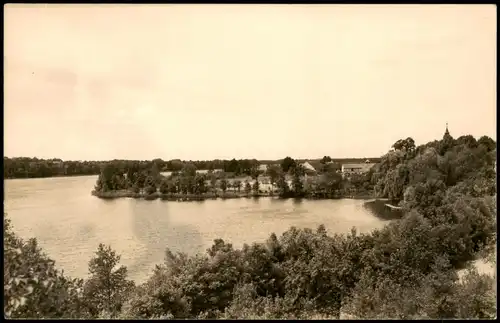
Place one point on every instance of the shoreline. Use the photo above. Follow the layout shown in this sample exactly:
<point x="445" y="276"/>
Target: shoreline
<point x="179" y="197"/>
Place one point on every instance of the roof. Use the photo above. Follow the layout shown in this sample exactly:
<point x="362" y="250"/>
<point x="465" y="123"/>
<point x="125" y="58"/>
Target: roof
<point x="316" y="164"/>
<point x="308" y="166"/>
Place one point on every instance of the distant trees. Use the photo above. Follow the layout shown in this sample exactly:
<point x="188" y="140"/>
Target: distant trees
<point x="326" y="159"/>
<point x="24" y="167"/>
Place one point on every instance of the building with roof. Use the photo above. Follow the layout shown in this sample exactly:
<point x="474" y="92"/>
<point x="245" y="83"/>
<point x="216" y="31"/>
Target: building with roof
<point x="356" y="168"/>
<point x="308" y="167"/>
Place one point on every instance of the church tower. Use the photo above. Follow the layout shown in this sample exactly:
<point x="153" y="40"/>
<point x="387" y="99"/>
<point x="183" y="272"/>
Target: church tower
<point x="447" y="142"/>
<point x="447" y="136"/>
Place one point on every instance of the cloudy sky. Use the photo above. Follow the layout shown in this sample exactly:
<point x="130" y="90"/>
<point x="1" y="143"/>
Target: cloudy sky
<point x="246" y="81"/>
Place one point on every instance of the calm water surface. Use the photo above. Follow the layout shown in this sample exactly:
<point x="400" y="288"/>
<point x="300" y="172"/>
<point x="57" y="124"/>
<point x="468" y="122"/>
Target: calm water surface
<point x="69" y="223"/>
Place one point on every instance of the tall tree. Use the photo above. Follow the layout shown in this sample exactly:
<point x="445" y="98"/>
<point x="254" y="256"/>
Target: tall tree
<point x="237" y="185"/>
<point x="248" y="187"/>
<point x="255" y="187"/>
<point x="273" y="172"/>
<point x="107" y="287"/>
<point x="298" y="187"/>
<point x="287" y="164"/>
<point x="223" y="185"/>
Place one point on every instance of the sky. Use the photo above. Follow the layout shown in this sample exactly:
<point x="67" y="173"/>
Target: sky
<point x="99" y="82"/>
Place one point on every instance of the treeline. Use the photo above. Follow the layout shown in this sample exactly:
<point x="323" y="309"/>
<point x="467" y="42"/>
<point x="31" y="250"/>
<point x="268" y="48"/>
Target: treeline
<point x="406" y="270"/>
<point x="25" y="167"/>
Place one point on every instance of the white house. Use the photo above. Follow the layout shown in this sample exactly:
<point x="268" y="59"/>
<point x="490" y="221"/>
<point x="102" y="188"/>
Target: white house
<point x="263" y="167"/>
<point x="356" y="168"/>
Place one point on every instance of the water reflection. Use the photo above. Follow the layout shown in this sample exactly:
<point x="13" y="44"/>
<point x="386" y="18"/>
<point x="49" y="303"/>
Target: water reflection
<point x="153" y="227"/>
<point x="380" y="210"/>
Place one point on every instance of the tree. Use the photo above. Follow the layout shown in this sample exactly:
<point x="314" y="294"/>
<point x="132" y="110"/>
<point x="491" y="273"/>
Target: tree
<point x="298" y="187"/>
<point x="33" y="287"/>
<point x="189" y="170"/>
<point x="107" y="287"/>
<point x="326" y="159"/>
<point x="248" y="187"/>
<point x="255" y="187"/>
<point x="273" y="172"/>
<point x="287" y="164"/>
<point x="488" y="143"/>
<point x="100" y="185"/>
<point x="284" y="189"/>
<point x="173" y="186"/>
<point x="237" y="185"/>
<point x="150" y="185"/>
<point x="200" y="184"/>
<point x="141" y="180"/>
<point x="407" y="145"/>
<point x="223" y="185"/>
<point x="330" y="180"/>
<point x="164" y="186"/>
<point x="254" y="171"/>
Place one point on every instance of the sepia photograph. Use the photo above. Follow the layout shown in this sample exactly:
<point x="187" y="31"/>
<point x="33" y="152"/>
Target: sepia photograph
<point x="250" y="161"/>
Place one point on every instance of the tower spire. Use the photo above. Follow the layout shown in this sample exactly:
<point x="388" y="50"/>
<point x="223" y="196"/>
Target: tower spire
<point x="446" y="132"/>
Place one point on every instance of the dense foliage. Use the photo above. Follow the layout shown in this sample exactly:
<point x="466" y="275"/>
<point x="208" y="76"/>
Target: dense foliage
<point x="406" y="270"/>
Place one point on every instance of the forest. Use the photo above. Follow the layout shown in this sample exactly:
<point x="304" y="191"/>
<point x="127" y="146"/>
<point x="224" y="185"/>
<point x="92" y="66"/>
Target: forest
<point x="406" y="270"/>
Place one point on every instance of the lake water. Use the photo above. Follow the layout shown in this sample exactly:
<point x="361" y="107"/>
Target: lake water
<point x="69" y="223"/>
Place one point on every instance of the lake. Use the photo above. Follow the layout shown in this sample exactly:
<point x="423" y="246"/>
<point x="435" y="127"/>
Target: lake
<point x="69" y="223"/>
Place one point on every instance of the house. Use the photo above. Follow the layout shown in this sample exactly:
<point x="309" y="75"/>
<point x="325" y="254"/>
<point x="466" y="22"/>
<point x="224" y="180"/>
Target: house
<point x="264" y="180"/>
<point x="263" y="168"/>
<point x="359" y="168"/>
<point x="308" y="167"/>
